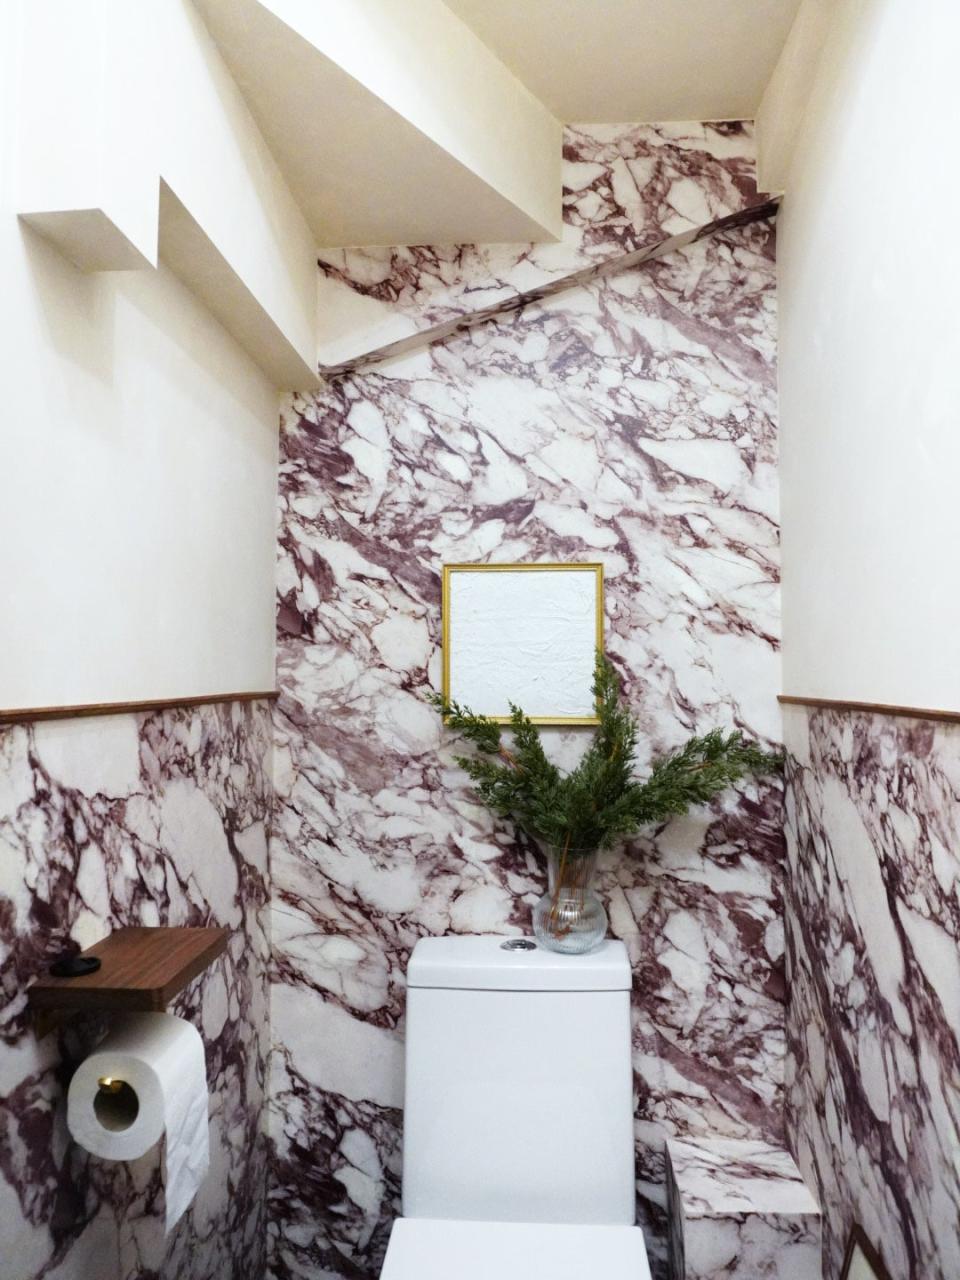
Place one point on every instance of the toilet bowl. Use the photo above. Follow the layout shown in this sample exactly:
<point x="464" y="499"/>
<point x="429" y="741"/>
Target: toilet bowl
<point x="439" y="1249"/>
<point x="518" y="1153"/>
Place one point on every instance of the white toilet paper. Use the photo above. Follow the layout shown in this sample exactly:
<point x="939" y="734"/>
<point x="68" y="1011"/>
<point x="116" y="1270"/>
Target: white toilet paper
<point x="146" y="1078"/>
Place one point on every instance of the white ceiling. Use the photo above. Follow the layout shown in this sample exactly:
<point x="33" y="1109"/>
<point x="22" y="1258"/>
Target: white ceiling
<point x="642" y="60"/>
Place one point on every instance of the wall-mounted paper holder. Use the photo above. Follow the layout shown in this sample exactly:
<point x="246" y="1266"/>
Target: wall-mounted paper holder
<point x="141" y="970"/>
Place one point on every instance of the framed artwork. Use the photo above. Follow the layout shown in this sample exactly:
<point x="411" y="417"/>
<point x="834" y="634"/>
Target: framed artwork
<point x="861" y="1260"/>
<point x="523" y="633"/>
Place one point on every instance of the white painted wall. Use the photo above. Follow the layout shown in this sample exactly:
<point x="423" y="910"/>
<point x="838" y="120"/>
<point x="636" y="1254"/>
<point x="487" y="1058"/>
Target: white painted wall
<point x="137" y="472"/>
<point x="393" y="121"/>
<point x="459" y="94"/>
<point x="118" y="96"/>
<point x="870" y="364"/>
<point x="213" y="156"/>
<point x="784" y="102"/>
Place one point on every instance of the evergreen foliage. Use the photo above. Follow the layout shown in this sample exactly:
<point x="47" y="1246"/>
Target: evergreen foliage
<point x="601" y="800"/>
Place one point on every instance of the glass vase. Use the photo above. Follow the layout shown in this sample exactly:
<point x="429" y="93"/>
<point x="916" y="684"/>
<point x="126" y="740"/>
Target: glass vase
<point x="570" y="917"/>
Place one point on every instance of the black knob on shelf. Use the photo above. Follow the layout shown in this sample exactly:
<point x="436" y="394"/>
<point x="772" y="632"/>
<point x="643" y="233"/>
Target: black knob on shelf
<point x="74" y="966"/>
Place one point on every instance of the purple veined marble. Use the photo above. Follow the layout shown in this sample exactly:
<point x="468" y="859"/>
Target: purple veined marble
<point x="155" y="818"/>
<point x="873" y="928"/>
<point x="631" y="419"/>
<point x="461" y="323"/>
<point x="627" y="188"/>
<point x="739" y="1210"/>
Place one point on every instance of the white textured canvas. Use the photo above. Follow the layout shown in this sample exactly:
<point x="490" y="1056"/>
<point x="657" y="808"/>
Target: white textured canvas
<point x="522" y="636"/>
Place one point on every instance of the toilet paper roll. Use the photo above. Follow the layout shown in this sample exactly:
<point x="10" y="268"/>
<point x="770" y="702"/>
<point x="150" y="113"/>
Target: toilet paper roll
<point x="145" y="1079"/>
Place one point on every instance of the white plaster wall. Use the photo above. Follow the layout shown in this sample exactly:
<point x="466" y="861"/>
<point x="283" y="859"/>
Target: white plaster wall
<point x="788" y="91"/>
<point x="430" y="68"/>
<point x="93" y="155"/>
<point x="137" y="476"/>
<point x="117" y="96"/>
<point x="869" y="269"/>
<point x="212" y="154"/>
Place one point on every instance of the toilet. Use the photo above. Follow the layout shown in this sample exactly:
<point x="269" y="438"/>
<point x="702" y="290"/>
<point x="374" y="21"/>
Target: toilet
<point x="518" y="1156"/>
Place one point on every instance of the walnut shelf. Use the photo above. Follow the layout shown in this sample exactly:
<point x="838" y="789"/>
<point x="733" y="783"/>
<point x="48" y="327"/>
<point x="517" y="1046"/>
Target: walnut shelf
<point x="141" y="970"/>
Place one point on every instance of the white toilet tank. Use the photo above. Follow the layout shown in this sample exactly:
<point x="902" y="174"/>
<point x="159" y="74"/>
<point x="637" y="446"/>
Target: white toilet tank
<point x="519" y="1088"/>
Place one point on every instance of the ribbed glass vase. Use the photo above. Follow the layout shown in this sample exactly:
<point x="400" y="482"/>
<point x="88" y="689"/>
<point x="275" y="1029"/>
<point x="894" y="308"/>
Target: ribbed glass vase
<point x="570" y="917"/>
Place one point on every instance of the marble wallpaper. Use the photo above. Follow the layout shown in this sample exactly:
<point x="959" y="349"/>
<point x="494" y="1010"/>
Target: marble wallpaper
<point x="626" y="413"/>
<point x="739" y="1210"/>
<point x="631" y="420"/>
<point x="873" y="910"/>
<point x="629" y="192"/>
<point x="157" y="818"/>
<point x="354" y="351"/>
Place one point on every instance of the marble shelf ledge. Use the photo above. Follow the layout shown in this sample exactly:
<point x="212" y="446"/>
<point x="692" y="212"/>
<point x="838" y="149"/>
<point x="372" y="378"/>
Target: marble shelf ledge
<point x="513" y="302"/>
<point x="739" y="1210"/>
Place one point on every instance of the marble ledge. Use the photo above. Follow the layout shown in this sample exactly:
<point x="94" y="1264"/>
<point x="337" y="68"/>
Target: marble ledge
<point x="739" y="1208"/>
<point x="462" y="323"/>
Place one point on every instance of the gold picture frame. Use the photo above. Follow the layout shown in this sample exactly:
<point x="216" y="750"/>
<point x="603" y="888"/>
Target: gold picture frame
<point x="579" y="630"/>
<point x="861" y="1260"/>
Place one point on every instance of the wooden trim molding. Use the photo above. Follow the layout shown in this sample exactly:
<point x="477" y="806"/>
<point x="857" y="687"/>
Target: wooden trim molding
<point x="25" y="715"/>
<point x="876" y="708"/>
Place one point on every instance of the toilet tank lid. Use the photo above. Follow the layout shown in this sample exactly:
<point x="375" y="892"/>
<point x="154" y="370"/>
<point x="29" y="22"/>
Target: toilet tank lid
<point x="474" y="963"/>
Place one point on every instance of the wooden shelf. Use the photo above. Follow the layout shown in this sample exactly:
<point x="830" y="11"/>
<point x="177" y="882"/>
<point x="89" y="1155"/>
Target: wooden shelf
<point x="141" y="970"/>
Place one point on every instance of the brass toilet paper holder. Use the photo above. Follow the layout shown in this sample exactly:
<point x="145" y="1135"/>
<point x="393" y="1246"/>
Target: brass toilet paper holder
<point x="115" y="1104"/>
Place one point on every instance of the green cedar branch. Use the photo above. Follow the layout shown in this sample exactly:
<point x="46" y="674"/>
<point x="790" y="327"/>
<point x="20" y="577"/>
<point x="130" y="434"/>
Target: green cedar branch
<point x="601" y="801"/>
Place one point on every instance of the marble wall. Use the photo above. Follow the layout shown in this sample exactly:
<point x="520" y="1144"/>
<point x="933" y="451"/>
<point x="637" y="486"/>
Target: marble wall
<point x="628" y="192"/>
<point x="134" y="819"/>
<point x="624" y="188"/>
<point x="873" y="913"/>
<point x="632" y="420"/>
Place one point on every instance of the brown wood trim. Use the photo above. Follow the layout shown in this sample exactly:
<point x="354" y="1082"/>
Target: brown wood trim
<point x="877" y="708"/>
<point x="27" y="714"/>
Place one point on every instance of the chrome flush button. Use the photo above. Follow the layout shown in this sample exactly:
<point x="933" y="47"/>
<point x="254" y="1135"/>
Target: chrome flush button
<point x="518" y="944"/>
